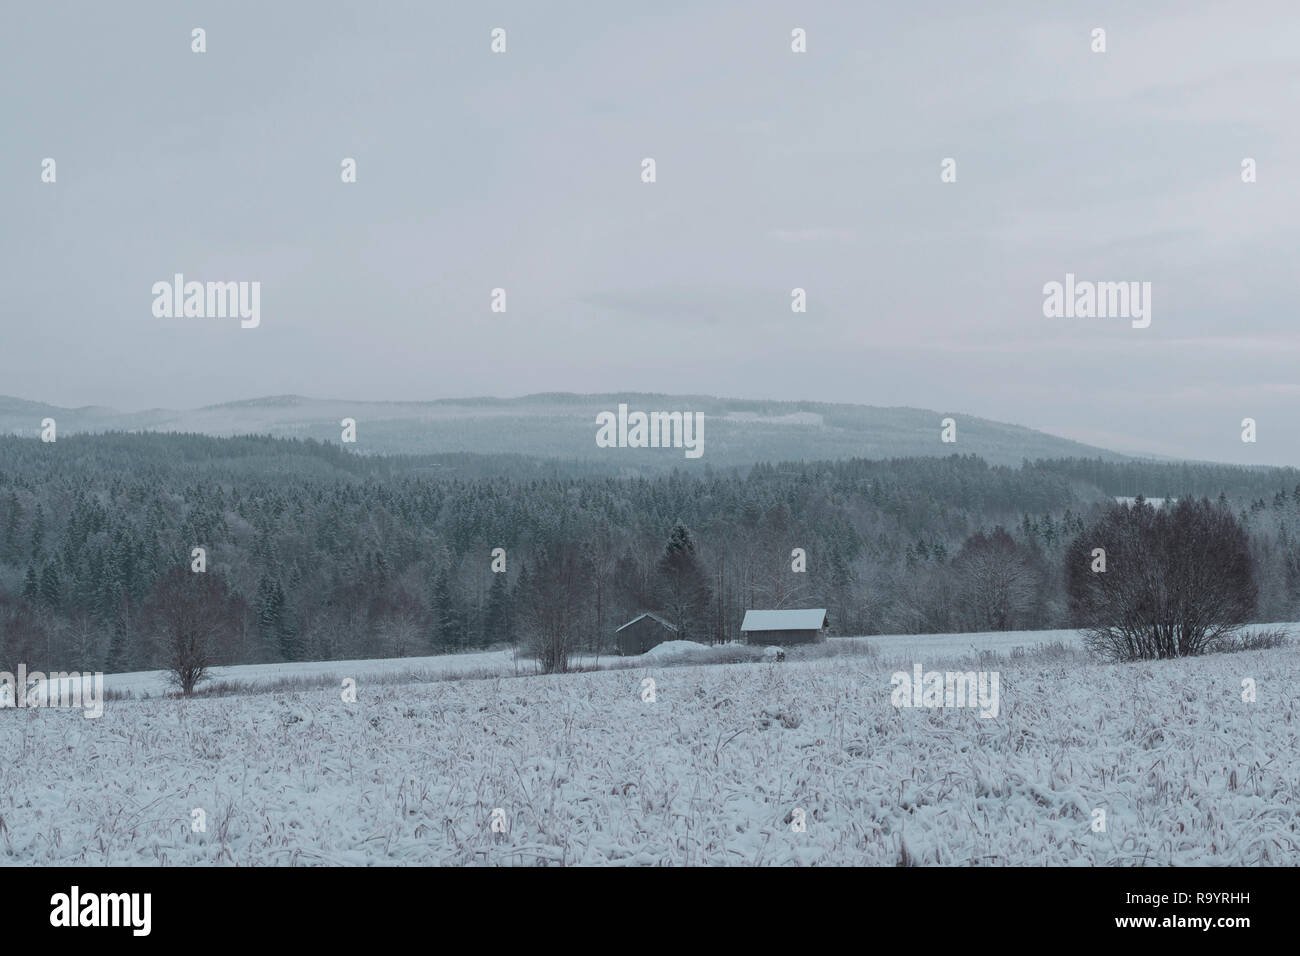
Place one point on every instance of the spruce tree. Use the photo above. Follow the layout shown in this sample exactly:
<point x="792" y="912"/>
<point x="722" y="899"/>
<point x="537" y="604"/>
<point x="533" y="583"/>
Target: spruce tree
<point x="683" y="587"/>
<point x="496" y="619"/>
<point x="51" y="591"/>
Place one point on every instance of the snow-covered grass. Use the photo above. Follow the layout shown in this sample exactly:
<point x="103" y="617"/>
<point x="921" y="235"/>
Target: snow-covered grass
<point x="499" y="663"/>
<point x="908" y="647"/>
<point x="710" y="772"/>
<point x="303" y="675"/>
<point x="983" y="646"/>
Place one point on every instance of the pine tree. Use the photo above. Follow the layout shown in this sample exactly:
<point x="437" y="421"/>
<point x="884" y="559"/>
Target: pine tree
<point x="287" y="628"/>
<point x="451" y="626"/>
<point x="519" y="602"/>
<point x="496" y="619"/>
<point x="10" y="543"/>
<point x="270" y="617"/>
<point x="120" y="656"/>
<point x="683" y="586"/>
<point x="38" y="532"/>
<point x="1049" y="531"/>
<point x="51" y="592"/>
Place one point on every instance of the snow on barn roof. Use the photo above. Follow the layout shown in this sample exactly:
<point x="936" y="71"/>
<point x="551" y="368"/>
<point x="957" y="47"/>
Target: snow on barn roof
<point x="812" y="619"/>
<point x="671" y="627"/>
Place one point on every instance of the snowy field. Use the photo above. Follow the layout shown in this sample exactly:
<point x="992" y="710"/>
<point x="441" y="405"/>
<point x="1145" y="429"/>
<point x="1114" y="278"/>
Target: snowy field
<point x="711" y="772"/>
<point x="485" y="664"/>
<point x="501" y="663"/>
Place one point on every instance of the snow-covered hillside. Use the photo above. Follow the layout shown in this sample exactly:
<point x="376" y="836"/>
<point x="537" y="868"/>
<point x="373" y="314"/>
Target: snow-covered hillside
<point x="712" y="770"/>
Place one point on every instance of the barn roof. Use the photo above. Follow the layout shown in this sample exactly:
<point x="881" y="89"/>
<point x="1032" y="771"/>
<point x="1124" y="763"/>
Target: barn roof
<point x="812" y="619"/>
<point x="671" y="627"/>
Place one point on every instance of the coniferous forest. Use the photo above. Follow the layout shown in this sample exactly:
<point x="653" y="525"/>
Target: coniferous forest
<point x="316" y="553"/>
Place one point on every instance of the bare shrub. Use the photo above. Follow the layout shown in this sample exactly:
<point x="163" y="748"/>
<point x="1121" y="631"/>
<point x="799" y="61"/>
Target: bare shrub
<point x="1177" y="582"/>
<point x="551" y="612"/>
<point x="1261" y="640"/>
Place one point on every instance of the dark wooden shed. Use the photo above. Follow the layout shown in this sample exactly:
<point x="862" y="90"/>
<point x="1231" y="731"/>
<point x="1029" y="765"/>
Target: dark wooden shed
<point x="642" y="633"/>
<point x="803" y="626"/>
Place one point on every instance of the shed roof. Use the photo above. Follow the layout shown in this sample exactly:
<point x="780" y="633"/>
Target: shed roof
<point x="812" y="619"/>
<point x="671" y="627"/>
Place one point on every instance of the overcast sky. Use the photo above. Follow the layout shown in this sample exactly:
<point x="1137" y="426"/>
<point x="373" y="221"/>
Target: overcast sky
<point x="775" y="170"/>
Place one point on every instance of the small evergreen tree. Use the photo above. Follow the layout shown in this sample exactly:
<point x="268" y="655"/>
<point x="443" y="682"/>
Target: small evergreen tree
<point x="496" y="619"/>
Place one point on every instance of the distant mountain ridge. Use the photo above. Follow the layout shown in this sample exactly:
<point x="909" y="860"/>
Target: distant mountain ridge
<point x="562" y="425"/>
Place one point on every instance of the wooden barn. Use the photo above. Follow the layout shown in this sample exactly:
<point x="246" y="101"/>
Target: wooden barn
<point x="807" y="626"/>
<point x="642" y="633"/>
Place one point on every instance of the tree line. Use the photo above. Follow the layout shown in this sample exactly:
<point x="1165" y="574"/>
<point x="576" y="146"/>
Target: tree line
<point x="314" y="552"/>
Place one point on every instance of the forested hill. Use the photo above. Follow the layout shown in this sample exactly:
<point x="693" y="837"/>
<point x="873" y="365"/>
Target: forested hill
<point x="563" y="427"/>
<point x="325" y="553"/>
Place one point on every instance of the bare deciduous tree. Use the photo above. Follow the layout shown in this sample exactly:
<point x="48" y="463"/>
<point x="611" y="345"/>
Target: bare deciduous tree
<point x="998" y="582"/>
<point x="190" y="616"/>
<point x="551" y="609"/>
<point x="1177" y="582"/>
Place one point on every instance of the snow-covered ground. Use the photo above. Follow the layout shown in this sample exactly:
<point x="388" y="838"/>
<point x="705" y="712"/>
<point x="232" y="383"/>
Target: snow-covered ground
<point x="485" y="664"/>
<point x="923" y="647"/>
<point x="585" y="770"/>
<point x="501" y="663"/>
